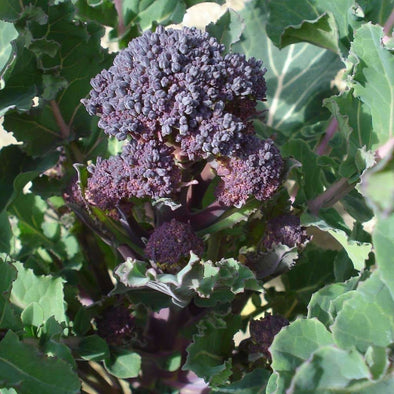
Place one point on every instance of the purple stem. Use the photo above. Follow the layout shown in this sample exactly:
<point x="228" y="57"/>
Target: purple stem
<point x="331" y="130"/>
<point x="388" y="25"/>
<point x="208" y="216"/>
<point x="119" y="11"/>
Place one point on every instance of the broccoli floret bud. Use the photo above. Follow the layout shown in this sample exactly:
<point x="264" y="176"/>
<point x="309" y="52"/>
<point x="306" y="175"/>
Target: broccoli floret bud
<point x="175" y="85"/>
<point x="263" y="331"/>
<point x="285" y="230"/>
<point x="170" y="244"/>
<point x="256" y="171"/>
<point x="141" y="170"/>
<point x="116" y="325"/>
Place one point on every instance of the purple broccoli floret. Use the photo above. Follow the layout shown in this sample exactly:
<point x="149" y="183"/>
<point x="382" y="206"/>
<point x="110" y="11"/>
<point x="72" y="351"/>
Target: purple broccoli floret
<point x="176" y="86"/>
<point x="170" y="244"/>
<point x="255" y="171"/>
<point x="141" y="170"/>
<point x="116" y="325"/>
<point x="263" y="331"/>
<point x="285" y="230"/>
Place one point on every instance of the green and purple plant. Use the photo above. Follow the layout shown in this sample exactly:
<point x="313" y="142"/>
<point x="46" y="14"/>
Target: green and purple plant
<point x="200" y="211"/>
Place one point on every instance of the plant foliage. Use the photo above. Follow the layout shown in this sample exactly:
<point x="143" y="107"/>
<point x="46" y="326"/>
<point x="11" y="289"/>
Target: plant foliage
<point x="193" y="211"/>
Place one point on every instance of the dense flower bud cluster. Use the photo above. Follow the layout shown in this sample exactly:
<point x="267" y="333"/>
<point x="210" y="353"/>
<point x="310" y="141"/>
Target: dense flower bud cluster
<point x="176" y="88"/>
<point x="263" y="331"/>
<point x="116" y="325"/>
<point x="170" y="244"/>
<point x="141" y="170"/>
<point x="286" y="230"/>
<point x="256" y="170"/>
<point x="175" y="85"/>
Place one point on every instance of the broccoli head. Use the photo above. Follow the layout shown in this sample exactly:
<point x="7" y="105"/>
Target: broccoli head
<point x="285" y="230"/>
<point x="170" y="244"/>
<point x="176" y="86"/>
<point x="263" y="331"/>
<point x="255" y="171"/>
<point x="141" y="170"/>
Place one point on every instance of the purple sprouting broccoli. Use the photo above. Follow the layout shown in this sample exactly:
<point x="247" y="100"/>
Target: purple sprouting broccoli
<point x="170" y="244"/>
<point x="255" y="171"/>
<point x="141" y="170"/>
<point x="176" y="86"/>
<point x="116" y="325"/>
<point x="263" y="331"/>
<point x="285" y="230"/>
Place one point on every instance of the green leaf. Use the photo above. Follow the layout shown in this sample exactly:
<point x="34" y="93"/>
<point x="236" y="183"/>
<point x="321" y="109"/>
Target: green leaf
<point x="377" y="360"/>
<point x="8" y="33"/>
<point x="252" y="383"/>
<point x="307" y="22"/>
<point x="123" y="364"/>
<point x="384" y="246"/>
<point x="298" y="77"/>
<point x="311" y="179"/>
<point x="17" y="170"/>
<point x="370" y="71"/>
<point x="44" y="290"/>
<point x="320" y="305"/>
<point x="329" y="369"/>
<point x="24" y="368"/>
<point x="93" y="348"/>
<point x="5" y="233"/>
<point x="145" y="12"/>
<point x="23" y="83"/>
<point x="295" y="344"/>
<point x="357" y="251"/>
<point x="104" y="12"/>
<point x="227" y="29"/>
<point x="210" y="283"/>
<point x="366" y="318"/>
<point x="8" y="317"/>
<point x="317" y="28"/>
<point x="208" y="355"/>
<point x="33" y="315"/>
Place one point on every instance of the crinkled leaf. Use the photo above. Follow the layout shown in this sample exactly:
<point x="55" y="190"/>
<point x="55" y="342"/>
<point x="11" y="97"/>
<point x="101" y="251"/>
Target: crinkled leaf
<point x="371" y="74"/>
<point x="44" y="290"/>
<point x="366" y="317"/>
<point x="24" y="368"/>
<point x="295" y="343"/>
<point x="123" y="364"/>
<point x="208" y="355"/>
<point x="208" y="282"/>
<point x="297" y="77"/>
<point x="329" y="369"/>
<point x="320" y="305"/>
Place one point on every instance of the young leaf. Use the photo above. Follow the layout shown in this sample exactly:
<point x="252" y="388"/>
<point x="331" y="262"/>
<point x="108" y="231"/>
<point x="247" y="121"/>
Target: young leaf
<point x="208" y="354"/>
<point x="46" y="291"/>
<point x="24" y="368"/>
<point x="123" y="364"/>
<point x="330" y="369"/>
<point x="366" y="317"/>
